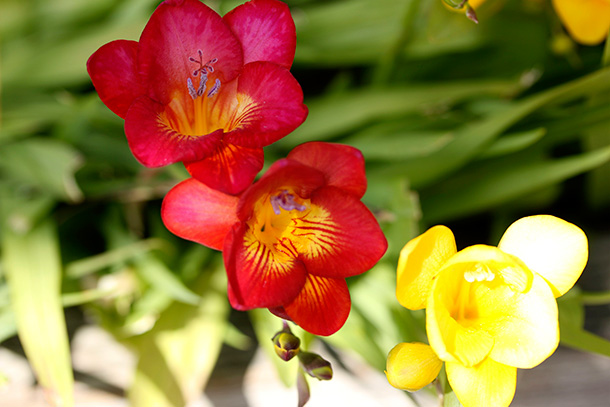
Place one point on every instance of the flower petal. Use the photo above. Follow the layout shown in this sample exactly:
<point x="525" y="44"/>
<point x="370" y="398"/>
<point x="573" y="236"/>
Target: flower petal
<point x="524" y="325"/>
<point x="113" y="71"/>
<point x="270" y="105"/>
<point x="420" y="261"/>
<point x="259" y="276"/>
<point x="411" y="366"/>
<point x="322" y="306"/>
<point x="549" y="246"/>
<point x="176" y="32"/>
<point x="154" y="143"/>
<point x="196" y="212"/>
<point x="486" y="384"/>
<point x="342" y="165"/>
<point x="231" y="168"/>
<point x="587" y="21"/>
<point x="284" y="173"/>
<point x="338" y="236"/>
<point x="266" y="31"/>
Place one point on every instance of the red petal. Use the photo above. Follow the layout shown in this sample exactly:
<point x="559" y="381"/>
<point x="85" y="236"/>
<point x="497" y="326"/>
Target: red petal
<point x="342" y="165"/>
<point x="231" y="169"/>
<point x="322" y="306"/>
<point x="259" y="277"/>
<point x="112" y="69"/>
<point x="282" y="174"/>
<point x="196" y="212"/>
<point x="154" y="143"/>
<point x="266" y="31"/>
<point x="176" y="31"/>
<point x="271" y="105"/>
<point x="342" y="238"/>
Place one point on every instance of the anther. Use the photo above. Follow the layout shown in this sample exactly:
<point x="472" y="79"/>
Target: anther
<point x="285" y="201"/>
<point x="194" y="93"/>
<point x="215" y="88"/>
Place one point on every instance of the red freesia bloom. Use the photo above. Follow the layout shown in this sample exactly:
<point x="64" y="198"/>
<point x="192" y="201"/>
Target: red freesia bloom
<point x="206" y="90"/>
<point x="290" y="239"/>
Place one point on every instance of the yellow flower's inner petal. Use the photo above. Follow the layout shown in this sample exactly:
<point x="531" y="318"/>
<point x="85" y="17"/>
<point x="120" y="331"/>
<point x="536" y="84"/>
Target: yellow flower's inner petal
<point x="487" y="384"/>
<point x="549" y="246"/>
<point x="587" y="21"/>
<point x="411" y="366"/>
<point x="420" y="261"/>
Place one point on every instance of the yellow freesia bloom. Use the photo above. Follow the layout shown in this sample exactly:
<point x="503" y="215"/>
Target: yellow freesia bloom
<point x="587" y="21"/>
<point x="489" y="310"/>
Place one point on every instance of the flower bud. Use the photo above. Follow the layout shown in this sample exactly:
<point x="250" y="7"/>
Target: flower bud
<point x="411" y="366"/>
<point x="286" y="345"/>
<point x="316" y="366"/>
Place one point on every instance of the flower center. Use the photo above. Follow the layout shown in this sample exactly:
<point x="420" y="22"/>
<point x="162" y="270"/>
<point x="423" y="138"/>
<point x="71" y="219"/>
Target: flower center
<point x="274" y="214"/>
<point x="202" y="72"/>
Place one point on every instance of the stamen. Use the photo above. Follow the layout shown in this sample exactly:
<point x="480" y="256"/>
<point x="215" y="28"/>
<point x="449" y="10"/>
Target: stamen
<point x="194" y="93"/>
<point x="202" y="83"/>
<point x="215" y="88"/>
<point x="480" y="273"/>
<point x="285" y="201"/>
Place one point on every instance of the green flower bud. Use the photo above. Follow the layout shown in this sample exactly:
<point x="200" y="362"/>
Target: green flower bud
<point x="316" y="366"/>
<point x="286" y="345"/>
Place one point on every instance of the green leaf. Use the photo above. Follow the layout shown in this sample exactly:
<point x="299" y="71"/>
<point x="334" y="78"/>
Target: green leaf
<point x="512" y="143"/>
<point x="337" y="114"/>
<point x="33" y="270"/>
<point x="504" y="184"/>
<point x="156" y="273"/>
<point x="45" y="164"/>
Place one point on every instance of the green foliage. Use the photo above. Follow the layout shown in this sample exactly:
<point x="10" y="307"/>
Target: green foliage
<point x="454" y="119"/>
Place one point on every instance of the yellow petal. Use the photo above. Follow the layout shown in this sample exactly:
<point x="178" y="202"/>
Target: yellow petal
<point x="420" y="260"/>
<point x="524" y="325"/>
<point x="451" y="340"/>
<point x="549" y="246"/>
<point x="488" y="384"/>
<point x="411" y="366"/>
<point x="587" y="21"/>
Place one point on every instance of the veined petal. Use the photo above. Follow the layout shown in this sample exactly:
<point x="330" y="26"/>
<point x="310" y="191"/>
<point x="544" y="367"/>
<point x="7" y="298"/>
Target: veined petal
<point x="266" y="31"/>
<point x="524" y="326"/>
<point x="154" y="143"/>
<point x="322" y="306"/>
<point x="196" y="212"/>
<point x="113" y="71"/>
<point x="587" y="21"/>
<point x="284" y="173"/>
<point x="175" y="33"/>
<point x="338" y="236"/>
<point x="230" y="169"/>
<point x="342" y="165"/>
<point x="549" y="246"/>
<point x="259" y="276"/>
<point x="270" y="105"/>
<point x="420" y="261"/>
<point x="487" y="384"/>
<point x="452" y="340"/>
<point x="411" y="366"/>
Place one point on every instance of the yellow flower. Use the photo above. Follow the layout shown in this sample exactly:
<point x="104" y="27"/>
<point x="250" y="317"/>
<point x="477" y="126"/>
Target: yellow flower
<point x="587" y="21"/>
<point x="489" y="310"/>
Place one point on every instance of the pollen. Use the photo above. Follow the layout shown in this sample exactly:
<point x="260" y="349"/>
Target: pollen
<point x="285" y="200"/>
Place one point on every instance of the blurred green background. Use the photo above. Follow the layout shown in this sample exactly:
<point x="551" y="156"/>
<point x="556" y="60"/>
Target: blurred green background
<point x="468" y="125"/>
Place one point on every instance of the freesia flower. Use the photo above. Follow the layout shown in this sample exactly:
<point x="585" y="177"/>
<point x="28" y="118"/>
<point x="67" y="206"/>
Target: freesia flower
<point x="205" y="90"/>
<point x="289" y="240"/>
<point x="489" y="310"/>
<point x="587" y="21"/>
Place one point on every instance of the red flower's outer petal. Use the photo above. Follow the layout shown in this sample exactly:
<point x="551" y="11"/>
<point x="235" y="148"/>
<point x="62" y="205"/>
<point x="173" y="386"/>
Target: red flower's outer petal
<point x="176" y="31"/>
<point x="266" y="31"/>
<point x="284" y="173"/>
<point x="113" y="71"/>
<point x="154" y="143"/>
<point x="280" y="312"/>
<point x="196" y="212"/>
<point x="322" y="306"/>
<point x="258" y="276"/>
<point x="231" y="168"/>
<point x="271" y="105"/>
<point x="347" y="243"/>
<point x="342" y="165"/>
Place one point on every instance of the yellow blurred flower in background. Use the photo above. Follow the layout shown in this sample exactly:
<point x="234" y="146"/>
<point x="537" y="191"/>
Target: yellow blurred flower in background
<point x="587" y="21"/>
<point x="489" y="310"/>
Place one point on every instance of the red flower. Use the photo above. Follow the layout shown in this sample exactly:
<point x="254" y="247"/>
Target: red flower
<point x="290" y="239"/>
<point x="206" y="90"/>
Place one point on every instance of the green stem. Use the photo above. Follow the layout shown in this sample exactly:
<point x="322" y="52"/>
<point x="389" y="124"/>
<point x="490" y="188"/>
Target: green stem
<point x="597" y="298"/>
<point x="606" y="54"/>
